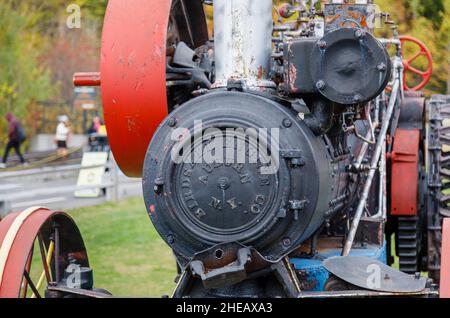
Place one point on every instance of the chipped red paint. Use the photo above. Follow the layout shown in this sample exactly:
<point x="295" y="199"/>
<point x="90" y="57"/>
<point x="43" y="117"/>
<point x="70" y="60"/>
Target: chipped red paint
<point x="404" y="173"/>
<point x="133" y="71"/>
<point x="23" y="240"/>
<point x="18" y="254"/>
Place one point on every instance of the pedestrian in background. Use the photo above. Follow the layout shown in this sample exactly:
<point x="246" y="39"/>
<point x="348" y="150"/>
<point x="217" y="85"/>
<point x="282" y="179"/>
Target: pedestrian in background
<point x="62" y="135"/>
<point x="95" y="125"/>
<point x="16" y="136"/>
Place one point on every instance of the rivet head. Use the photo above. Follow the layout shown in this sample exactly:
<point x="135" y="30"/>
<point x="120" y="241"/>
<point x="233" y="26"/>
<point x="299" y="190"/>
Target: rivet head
<point x="287" y="242"/>
<point x="320" y="84"/>
<point x="287" y="123"/>
<point x="359" y="33"/>
<point x="322" y="44"/>
<point x="172" y="122"/>
<point x="381" y="67"/>
<point x="357" y="98"/>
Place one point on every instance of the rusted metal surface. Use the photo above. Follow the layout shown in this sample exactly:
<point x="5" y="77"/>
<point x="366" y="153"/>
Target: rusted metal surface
<point x="79" y="292"/>
<point x="347" y="15"/>
<point x="404" y="172"/>
<point x="242" y="39"/>
<point x="39" y="221"/>
<point x="445" y="260"/>
<point x="133" y="70"/>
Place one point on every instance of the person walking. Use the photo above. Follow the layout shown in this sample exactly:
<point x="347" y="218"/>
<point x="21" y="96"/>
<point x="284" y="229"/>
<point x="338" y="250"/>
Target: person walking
<point x="16" y="136"/>
<point x="62" y="135"/>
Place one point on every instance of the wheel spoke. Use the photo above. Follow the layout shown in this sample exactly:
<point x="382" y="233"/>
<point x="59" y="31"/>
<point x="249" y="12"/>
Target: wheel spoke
<point x="27" y="269"/>
<point x="31" y="284"/>
<point x="415" y="56"/>
<point x="419" y="50"/>
<point x="46" y="259"/>
<point x="417" y="71"/>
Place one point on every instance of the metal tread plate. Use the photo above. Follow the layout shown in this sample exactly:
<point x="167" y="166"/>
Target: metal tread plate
<point x="369" y="274"/>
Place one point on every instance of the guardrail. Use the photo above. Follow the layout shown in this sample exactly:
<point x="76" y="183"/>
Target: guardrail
<point x="110" y="183"/>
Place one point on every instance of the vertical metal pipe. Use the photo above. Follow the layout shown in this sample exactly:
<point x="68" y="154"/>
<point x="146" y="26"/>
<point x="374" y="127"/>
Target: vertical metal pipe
<point x="57" y="254"/>
<point x="243" y="42"/>
<point x="375" y="159"/>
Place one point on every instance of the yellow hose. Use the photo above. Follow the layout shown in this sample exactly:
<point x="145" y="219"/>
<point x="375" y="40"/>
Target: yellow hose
<point x="51" y="248"/>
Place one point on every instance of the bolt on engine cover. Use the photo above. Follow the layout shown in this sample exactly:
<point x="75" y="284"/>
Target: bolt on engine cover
<point x="259" y="190"/>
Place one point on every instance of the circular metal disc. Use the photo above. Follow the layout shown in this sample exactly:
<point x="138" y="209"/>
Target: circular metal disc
<point x="133" y="70"/>
<point x="196" y="202"/>
<point x="350" y="66"/>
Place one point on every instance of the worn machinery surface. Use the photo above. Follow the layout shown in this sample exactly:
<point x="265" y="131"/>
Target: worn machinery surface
<point x="287" y="153"/>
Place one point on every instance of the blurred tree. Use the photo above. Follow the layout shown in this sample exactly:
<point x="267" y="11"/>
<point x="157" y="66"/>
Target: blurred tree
<point x="40" y="54"/>
<point x="433" y="10"/>
<point x="22" y="79"/>
<point x="429" y="21"/>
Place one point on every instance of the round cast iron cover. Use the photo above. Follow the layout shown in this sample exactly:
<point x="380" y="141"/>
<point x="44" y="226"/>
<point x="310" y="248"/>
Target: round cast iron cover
<point x="196" y="203"/>
<point x="350" y="66"/>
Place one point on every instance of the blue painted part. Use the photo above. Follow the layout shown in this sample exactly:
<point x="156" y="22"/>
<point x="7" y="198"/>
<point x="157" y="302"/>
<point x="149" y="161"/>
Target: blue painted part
<point x="314" y="273"/>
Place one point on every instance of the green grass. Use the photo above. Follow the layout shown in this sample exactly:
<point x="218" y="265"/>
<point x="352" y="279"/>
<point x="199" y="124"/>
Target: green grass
<point x="125" y="251"/>
<point x="127" y="255"/>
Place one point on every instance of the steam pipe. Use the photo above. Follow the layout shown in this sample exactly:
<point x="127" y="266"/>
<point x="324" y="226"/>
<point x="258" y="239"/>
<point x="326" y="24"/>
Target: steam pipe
<point x="243" y="42"/>
<point x="320" y="119"/>
<point x="375" y="159"/>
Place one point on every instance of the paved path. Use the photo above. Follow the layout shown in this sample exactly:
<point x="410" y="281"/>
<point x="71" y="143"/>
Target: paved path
<point x="56" y="191"/>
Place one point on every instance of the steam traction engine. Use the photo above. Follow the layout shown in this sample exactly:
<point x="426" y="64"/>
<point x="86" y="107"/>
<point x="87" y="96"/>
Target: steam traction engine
<point x="282" y="157"/>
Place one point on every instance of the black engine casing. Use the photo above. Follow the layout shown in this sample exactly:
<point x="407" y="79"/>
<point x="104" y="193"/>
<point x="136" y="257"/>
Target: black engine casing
<point x="195" y="206"/>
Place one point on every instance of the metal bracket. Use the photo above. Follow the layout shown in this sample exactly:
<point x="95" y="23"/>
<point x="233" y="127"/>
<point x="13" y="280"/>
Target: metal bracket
<point x="225" y="276"/>
<point x="297" y="206"/>
<point x="370" y="274"/>
<point x="287" y="278"/>
<point x="294" y="156"/>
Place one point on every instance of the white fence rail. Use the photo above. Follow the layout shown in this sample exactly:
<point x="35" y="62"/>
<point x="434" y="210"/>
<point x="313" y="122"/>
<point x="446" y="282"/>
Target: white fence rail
<point x="11" y="189"/>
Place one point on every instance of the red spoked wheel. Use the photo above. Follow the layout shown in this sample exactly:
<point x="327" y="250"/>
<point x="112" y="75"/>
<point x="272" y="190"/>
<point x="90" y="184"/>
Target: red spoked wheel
<point x="420" y="75"/>
<point x="36" y="246"/>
